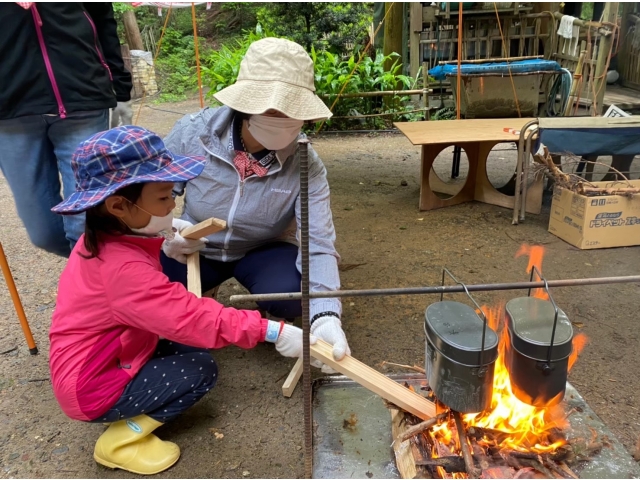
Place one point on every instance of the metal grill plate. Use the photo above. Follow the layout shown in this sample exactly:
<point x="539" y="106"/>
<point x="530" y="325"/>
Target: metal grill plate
<point x="364" y="450"/>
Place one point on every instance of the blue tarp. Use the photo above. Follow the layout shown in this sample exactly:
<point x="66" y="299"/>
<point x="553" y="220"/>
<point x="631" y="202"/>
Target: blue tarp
<point x="592" y="141"/>
<point x="523" y="66"/>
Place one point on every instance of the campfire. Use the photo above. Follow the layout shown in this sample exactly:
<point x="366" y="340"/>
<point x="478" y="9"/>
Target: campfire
<point x="511" y="439"/>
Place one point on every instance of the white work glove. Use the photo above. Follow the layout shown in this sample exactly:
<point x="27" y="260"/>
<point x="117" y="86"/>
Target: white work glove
<point x="329" y="329"/>
<point x="122" y="114"/>
<point x="289" y="342"/>
<point x="179" y="247"/>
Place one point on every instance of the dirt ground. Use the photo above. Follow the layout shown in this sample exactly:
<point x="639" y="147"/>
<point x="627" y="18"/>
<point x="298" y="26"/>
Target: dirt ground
<point x="381" y="230"/>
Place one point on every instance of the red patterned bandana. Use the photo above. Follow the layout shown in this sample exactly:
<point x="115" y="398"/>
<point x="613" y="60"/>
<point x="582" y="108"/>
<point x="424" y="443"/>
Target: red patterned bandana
<point x="247" y="165"/>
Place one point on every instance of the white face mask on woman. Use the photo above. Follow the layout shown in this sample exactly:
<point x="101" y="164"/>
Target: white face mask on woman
<point x="274" y="133"/>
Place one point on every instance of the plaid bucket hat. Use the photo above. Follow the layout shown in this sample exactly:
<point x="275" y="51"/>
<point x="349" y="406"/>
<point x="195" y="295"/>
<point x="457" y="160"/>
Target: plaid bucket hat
<point x="111" y="160"/>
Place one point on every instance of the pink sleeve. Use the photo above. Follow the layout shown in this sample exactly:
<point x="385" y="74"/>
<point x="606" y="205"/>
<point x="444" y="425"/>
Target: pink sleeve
<point x="143" y="297"/>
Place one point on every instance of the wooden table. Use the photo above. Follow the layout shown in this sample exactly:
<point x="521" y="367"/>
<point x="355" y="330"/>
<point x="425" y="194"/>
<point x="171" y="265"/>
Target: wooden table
<point x="477" y="137"/>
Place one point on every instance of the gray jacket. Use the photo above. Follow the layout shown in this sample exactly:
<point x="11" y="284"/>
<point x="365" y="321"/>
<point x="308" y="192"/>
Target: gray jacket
<point x="257" y="210"/>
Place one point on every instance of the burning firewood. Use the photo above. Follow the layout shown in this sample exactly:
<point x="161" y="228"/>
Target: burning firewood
<point x="470" y="467"/>
<point x="422" y="426"/>
<point x="451" y="463"/>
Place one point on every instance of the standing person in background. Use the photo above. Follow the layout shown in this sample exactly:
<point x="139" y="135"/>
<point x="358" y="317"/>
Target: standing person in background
<point x="61" y="71"/>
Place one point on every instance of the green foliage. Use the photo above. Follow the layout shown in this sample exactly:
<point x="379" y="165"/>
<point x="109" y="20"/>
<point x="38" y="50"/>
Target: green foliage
<point x="220" y="67"/>
<point x="175" y="66"/>
<point x="446" y="113"/>
<point x="320" y="25"/>
<point x="332" y="73"/>
<point x="587" y="11"/>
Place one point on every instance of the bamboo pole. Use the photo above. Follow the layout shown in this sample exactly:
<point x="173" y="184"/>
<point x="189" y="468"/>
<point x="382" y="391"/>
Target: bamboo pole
<point x="399" y="112"/>
<point x="577" y="79"/>
<point x="17" y="304"/>
<point x="485" y="60"/>
<point x="375" y="94"/>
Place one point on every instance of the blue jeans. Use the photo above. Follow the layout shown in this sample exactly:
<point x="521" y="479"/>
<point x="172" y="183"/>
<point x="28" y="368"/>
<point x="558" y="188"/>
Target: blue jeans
<point x="174" y="379"/>
<point x="267" y="269"/>
<point x="35" y="153"/>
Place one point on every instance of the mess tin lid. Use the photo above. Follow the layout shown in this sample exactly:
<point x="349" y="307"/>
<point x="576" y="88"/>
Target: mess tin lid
<point x="531" y="326"/>
<point x="456" y="331"/>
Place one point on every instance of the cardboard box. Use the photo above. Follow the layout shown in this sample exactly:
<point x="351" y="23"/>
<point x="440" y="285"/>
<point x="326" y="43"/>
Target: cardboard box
<point x="596" y="222"/>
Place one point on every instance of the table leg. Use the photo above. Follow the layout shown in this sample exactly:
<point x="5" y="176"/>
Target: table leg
<point x="428" y="199"/>
<point x="485" y="192"/>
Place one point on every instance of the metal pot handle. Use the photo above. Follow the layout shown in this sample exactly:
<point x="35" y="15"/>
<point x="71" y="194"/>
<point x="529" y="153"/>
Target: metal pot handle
<point x="484" y="317"/>
<point x="555" y="307"/>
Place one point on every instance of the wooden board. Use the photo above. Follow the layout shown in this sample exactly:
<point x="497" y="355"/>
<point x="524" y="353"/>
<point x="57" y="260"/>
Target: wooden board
<point x="290" y="383"/>
<point x="193" y="274"/>
<point x="375" y="381"/>
<point x="204" y="228"/>
<point x="462" y="131"/>
<point x="402" y="450"/>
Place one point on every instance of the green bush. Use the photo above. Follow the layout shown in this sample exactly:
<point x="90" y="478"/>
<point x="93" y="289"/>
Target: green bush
<point x="331" y="73"/>
<point x="175" y="66"/>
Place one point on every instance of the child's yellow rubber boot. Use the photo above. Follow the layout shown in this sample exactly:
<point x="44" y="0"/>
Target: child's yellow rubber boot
<point x="130" y="445"/>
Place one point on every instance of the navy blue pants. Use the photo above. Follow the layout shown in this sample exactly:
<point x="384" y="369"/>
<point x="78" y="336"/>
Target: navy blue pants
<point x="173" y="380"/>
<point x="268" y="269"/>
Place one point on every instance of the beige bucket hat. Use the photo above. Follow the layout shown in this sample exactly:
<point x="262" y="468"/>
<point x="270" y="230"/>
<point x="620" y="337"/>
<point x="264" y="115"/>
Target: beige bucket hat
<point x="275" y="73"/>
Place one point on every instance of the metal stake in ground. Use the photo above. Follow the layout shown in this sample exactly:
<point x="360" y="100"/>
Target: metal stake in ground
<point x="303" y="149"/>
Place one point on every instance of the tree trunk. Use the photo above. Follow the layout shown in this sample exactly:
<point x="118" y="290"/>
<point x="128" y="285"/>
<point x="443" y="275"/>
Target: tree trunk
<point x="392" y="38"/>
<point x="393" y="31"/>
<point x="131" y="30"/>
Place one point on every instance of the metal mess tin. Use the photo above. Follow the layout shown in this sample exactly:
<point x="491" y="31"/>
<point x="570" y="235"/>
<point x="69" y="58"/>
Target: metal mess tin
<point x="540" y="343"/>
<point x="461" y="351"/>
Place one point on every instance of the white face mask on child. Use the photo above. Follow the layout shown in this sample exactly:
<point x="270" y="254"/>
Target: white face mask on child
<point x="156" y="225"/>
<point x="274" y="133"/>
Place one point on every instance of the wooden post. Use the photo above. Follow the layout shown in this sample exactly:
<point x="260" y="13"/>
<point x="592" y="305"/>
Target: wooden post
<point x="415" y="27"/>
<point x="131" y="30"/>
<point x="606" y="43"/>
<point x="625" y="43"/>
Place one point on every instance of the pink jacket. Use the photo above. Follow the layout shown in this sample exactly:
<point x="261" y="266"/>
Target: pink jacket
<point x="109" y="314"/>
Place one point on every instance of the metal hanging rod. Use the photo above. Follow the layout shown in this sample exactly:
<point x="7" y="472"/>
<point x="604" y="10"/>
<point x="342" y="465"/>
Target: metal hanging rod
<point x="483" y="287"/>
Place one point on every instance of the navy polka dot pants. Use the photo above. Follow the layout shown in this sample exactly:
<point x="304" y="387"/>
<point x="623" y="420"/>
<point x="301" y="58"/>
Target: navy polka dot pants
<point x="173" y="380"/>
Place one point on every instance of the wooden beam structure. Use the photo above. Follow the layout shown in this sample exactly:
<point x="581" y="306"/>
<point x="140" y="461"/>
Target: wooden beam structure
<point x="202" y="229"/>
<point x="375" y="381"/>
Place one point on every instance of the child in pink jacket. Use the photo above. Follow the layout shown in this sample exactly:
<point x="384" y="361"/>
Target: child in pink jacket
<point x="107" y="361"/>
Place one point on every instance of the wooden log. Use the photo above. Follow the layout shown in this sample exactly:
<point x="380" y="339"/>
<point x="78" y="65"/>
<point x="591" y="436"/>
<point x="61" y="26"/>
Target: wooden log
<point x="450" y="463"/>
<point x="375" y="381"/>
<point x="290" y="383"/>
<point x="202" y="229"/>
<point x="470" y="467"/>
<point x="421" y="427"/>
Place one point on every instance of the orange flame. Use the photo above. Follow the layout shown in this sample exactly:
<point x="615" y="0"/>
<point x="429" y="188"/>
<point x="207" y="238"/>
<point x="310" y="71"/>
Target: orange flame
<point x="536" y="254"/>
<point x="579" y="342"/>
<point x="525" y="427"/>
